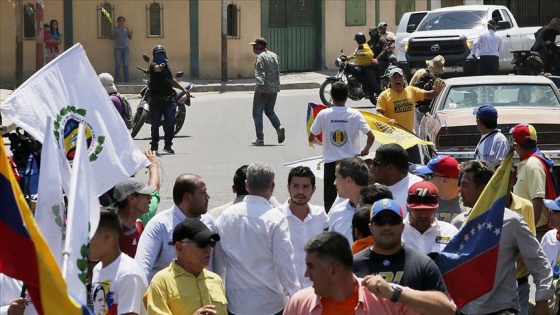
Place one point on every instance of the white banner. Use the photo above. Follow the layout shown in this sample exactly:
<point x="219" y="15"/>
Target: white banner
<point x="316" y="164"/>
<point x="68" y="90"/>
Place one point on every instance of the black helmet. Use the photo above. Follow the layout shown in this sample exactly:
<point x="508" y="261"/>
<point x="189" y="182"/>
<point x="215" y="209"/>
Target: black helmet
<point x="373" y="31"/>
<point x="158" y="48"/>
<point x="360" y="38"/>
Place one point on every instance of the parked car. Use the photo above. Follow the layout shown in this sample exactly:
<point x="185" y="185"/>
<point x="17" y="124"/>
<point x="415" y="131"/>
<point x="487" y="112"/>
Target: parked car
<point x="451" y="125"/>
<point x="451" y="31"/>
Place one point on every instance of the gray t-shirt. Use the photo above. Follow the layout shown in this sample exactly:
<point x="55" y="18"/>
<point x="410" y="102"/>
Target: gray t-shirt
<point x="449" y="209"/>
<point x="121" y="36"/>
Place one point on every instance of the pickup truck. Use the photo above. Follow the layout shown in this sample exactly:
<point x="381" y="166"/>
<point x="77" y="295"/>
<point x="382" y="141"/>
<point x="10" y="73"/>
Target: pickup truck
<point x="451" y="31"/>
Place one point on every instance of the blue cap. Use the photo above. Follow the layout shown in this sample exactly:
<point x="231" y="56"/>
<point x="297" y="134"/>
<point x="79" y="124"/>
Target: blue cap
<point x="385" y="205"/>
<point x="553" y="205"/>
<point x="441" y="164"/>
<point x="486" y="112"/>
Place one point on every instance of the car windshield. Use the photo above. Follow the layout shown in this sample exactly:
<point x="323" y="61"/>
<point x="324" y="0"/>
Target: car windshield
<point x="470" y="96"/>
<point x="453" y="20"/>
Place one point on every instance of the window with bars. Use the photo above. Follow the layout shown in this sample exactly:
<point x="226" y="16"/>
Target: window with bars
<point x="105" y="16"/>
<point x="29" y="21"/>
<point x="233" y="21"/>
<point x="155" y="19"/>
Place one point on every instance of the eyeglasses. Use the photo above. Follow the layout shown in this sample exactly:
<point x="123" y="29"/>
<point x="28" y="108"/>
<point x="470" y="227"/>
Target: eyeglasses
<point x="391" y="220"/>
<point x="376" y="163"/>
<point x="202" y="244"/>
<point x="431" y="176"/>
<point x="424" y="200"/>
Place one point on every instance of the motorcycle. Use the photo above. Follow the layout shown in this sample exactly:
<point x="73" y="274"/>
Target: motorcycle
<point x="347" y="73"/>
<point x="142" y="114"/>
<point x="526" y="62"/>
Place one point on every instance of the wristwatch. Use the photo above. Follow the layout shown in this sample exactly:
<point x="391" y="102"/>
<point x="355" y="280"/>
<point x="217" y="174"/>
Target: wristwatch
<point x="397" y="290"/>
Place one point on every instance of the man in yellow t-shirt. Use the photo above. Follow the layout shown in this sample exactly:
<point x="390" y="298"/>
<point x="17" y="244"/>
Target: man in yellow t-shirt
<point x="398" y="103"/>
<point x="363" y="57"/>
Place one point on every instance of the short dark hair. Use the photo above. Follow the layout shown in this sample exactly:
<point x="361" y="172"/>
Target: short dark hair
<point x="489" y="123"/>
<point x="301" y="171"/>
<point x="121" y="18"/>
<point x="109" y="221"/>
<point x="360" y="220"/>
<point x="354" y="168"/>
<point x="185" y="183"/>
<point x="482" y="170"/>
<point x="372" y="193"/>
<point x="392" y="153"/>
<point x="239" y="179"/>
<point x="332" y="246"/>
<point x="339" y="91"/>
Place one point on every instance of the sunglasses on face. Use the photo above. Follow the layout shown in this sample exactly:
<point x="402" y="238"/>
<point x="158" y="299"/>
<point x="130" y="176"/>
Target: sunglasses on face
<point x="431" y="176"/>
<point x="391" y="220"/>
<point x="203" y="244"/>
<point x="426" y="200"/>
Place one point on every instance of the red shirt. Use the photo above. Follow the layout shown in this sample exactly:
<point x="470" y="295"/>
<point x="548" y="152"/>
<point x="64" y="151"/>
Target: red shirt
<point x="128" y="241"/>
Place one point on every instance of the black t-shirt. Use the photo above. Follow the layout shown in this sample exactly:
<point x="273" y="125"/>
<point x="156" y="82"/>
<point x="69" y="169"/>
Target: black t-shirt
<point x="408" y="267"/>
<point x="544" y="34"/>
<point x="161" y="82"/>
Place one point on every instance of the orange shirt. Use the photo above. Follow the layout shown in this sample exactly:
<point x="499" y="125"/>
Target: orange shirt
<point x="362" y="244"/>
<point x="346" y="307"/>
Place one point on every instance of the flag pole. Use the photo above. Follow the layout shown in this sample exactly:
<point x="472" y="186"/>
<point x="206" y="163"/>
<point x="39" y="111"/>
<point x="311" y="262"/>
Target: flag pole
<point x="72" y="202"/>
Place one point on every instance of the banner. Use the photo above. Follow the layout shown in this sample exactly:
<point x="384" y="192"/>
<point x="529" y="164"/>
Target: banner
<point x="316" y="164"/>
<point x="385" y="131"/>
<point x="471" y="256"/>
<point x="68" y="90"/>
<point x="24" y="254"/>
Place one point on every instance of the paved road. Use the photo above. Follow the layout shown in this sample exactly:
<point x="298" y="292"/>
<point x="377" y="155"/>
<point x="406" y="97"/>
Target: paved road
<point x="216" y="140"/>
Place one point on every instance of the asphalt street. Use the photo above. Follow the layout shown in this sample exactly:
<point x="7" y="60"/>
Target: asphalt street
<point x="216" y="140"/>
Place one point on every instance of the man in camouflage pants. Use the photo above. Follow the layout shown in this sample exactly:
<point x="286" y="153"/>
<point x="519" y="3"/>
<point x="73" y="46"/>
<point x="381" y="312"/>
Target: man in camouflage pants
<point x="267" y="76"/>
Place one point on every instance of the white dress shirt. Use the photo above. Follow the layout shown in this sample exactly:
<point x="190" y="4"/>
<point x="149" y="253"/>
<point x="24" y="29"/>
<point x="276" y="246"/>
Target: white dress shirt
<point x="340" y="219"/>
<point x="489" y="43"/>
<point x="153" y="253"/>
<point x="10" y="290"/>
<point x="433" y="240"/>
<point x="302" y="232"/>
<point x="255" y="257"/>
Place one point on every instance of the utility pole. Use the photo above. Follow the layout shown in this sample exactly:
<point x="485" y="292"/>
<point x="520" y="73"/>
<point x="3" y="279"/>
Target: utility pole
<point x="19" y="42"/>
<point x="39" y="35"/>
<point x="224" y="41"/>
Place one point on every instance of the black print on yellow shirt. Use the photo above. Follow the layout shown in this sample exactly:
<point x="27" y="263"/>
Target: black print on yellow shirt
<point x="403" y="106"/>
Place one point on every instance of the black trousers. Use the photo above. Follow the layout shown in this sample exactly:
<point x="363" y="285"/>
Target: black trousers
<point x="369" y="79"/>
<point x="489" y="65"/>
<point x="329" y="189"/>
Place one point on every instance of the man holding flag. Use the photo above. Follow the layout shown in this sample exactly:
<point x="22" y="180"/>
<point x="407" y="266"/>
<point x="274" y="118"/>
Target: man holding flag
<point x="478" y="265"/>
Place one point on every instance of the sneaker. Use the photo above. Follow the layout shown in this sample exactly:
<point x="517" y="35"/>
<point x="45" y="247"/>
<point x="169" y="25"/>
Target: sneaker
<point x="258" y="143"/>
<point x="168" y="150"/>
<point x="281" y="134"/>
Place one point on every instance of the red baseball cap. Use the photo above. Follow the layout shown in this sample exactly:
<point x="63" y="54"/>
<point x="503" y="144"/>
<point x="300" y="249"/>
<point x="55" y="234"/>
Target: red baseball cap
<point x="422" y="195"/>
<point x="524" y="134"/>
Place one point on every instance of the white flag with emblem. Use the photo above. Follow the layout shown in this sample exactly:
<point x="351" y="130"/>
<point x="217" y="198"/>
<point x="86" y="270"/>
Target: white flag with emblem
<point x="68" y="90"/>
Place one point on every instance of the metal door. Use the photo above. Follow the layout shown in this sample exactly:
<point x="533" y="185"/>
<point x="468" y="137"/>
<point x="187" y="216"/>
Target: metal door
<point x="291" y="28"/>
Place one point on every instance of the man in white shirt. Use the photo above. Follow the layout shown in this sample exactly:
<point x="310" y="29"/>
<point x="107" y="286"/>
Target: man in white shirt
<point x="488" y="47"/>
<point x="304" y="219"/>
<point x="391" y="169"/>
<point x="238" y="189"/>
<point x="422" y="231"/>
<point x="255" y="255"/>
<point x="351" y="175"/>
<point x="191" y="202"/>
<point x="493" y="145"/>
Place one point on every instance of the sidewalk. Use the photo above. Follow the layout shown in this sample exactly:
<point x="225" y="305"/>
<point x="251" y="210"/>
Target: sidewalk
<point x="288" y="81"/>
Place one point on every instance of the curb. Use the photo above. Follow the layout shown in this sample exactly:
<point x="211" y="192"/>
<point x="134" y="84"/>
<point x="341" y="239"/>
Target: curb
<point x="135" y="89"/>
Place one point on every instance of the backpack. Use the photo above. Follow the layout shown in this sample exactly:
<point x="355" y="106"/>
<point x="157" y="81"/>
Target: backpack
<point x="426" y="82"/>
<point x="126" y="111"/>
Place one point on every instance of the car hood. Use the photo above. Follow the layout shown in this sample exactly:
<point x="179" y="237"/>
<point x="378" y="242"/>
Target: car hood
<point x="469" y="33"/>
<point x="506" y="116"/>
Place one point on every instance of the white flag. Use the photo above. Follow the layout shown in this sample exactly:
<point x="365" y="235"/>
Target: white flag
<point x="316" y="164"/>
<point x="50" y="212"/>
<point x="83" y="216"/>
<point x="69" y="90"/>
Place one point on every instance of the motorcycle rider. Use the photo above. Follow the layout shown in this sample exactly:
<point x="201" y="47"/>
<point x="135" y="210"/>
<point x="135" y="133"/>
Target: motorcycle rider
<point x="380" y="47"/>
<point x="551" y="58"/>
<point x="546" y="33"/>
<point x="363" y="56"/>
<point x="162" y="101"/>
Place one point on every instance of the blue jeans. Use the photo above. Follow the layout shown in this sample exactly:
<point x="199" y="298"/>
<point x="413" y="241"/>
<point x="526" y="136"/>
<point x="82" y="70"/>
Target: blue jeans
<point x="168" y="110"/>
<point x="523" y="293"/>
<point x="121" y="57"/>
<point x="264" y="103"/>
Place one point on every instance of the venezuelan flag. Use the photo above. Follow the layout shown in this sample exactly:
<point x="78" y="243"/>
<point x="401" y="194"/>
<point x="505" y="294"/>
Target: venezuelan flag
<point x="312" y="112"/>
<point x="24" y="254"/>
<point x="468" y="263"/>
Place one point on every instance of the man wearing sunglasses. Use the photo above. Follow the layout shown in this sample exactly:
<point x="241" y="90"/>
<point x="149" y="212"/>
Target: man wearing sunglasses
<point x="422" y="231"/>
<point x="443" y="172"/>
<point x="193" y="242"/>
<point x="389" y="257"/>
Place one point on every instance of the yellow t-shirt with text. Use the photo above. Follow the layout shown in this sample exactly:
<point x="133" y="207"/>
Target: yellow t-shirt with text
<point x="400" y="105"/>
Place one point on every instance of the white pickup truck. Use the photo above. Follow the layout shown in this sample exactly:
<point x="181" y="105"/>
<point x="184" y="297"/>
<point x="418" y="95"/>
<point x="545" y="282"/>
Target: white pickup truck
<point x="451" y="31"/>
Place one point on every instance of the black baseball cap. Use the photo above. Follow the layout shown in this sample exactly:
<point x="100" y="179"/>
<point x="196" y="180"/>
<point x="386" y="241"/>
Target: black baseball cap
<point x="194" y="230"/>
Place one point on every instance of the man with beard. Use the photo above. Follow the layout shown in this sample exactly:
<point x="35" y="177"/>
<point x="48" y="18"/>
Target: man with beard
<point x="304" y="219"/>
<point x="422" y="231"/>
<point x="191" y="202"/>
<point x="255" y="255"/>
<point x="388" y="257"/>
